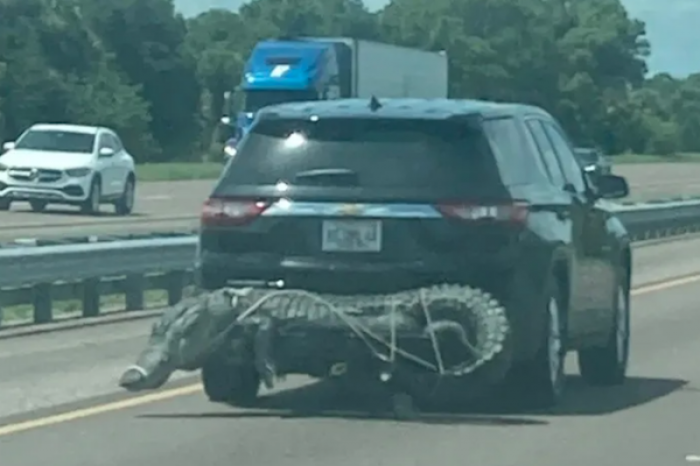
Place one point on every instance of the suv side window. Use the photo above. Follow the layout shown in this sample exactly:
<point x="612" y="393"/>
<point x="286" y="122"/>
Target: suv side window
<point x="104" y="141"/>
<point x="116" y="143"/>
<point x="556" y="175"/>
<point x="571" y="168"/>
<point x="508" y="144"/>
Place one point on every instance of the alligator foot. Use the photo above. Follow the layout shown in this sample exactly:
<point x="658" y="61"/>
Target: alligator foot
<point x="403" y="407"/>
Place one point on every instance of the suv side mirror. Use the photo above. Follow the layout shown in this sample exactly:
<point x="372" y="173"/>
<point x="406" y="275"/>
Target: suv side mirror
<point x="106" y="152"/>
<point x="9" y="145"/>
<point x="612" y="186"/>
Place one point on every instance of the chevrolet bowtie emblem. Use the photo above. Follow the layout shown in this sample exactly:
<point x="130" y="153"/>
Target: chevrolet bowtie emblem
<point x="350" y="209"/>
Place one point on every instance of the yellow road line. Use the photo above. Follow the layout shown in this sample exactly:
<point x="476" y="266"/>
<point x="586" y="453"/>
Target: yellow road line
<point x="195" y="388"/>
<point x="666" y="284"/>
<point x="99" y="409"/>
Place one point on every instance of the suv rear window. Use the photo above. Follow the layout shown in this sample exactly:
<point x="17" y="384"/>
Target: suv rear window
<point x="402" y="156"/>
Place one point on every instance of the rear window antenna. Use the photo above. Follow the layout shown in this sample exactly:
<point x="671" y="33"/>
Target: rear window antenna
<point x="374" y="104"/>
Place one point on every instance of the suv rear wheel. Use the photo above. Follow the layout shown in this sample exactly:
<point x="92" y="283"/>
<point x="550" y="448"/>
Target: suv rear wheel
<point x="230" y="383"/>
<point x="608" y="365"/>
<point x="540" y="383"/>
<point x="5" y="204"/>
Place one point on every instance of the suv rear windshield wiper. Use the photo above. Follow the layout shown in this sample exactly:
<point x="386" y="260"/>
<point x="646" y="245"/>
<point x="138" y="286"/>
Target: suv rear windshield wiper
<point x="328" y="177"/>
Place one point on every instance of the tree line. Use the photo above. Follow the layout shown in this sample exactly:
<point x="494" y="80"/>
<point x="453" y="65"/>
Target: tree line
<point x="159" y="79"/>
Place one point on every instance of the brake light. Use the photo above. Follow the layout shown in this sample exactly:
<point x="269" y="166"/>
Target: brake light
<point x="231" y="212"/>
<point x="513" y="212"/>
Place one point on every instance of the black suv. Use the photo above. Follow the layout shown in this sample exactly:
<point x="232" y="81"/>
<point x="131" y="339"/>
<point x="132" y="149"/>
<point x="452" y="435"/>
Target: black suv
<point x="362" y="196"/>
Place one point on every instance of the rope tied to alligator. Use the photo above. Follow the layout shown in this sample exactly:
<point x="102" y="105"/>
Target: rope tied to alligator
<point x="489" y="314"/>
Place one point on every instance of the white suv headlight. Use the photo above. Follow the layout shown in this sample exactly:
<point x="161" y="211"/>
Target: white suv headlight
<point x="78" y="172"/>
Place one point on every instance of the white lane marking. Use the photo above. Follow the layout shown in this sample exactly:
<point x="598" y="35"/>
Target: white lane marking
<point x="157" y="197"/>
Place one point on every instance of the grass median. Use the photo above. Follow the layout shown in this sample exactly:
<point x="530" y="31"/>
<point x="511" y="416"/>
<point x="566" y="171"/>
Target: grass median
<point x="71" y="309"/>
<point x="178" y="171"/>
<point x="646" y="158"/>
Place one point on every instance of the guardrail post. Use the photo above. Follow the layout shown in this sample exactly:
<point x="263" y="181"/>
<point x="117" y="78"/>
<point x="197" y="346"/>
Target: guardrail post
<point x="175" y="282"/>
<point x="91" y="297"/>
<point x="43" y="311"/>
<point x="134" y="287"/>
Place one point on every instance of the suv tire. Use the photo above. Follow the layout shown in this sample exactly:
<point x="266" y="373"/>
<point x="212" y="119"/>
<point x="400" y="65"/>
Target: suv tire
<point x="5" y="204"/>
<point x="91" y="205"/>
<point x="125" y="204"/>
<point x="38" y="206"/>
<point x="540" y="382"/>
<point x="235" y="384"/>
<point x="607" y="365"/>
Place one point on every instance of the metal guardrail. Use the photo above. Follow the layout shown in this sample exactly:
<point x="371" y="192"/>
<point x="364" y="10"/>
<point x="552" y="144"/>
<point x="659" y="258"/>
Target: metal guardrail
<point x="39" y="276"/>
<point x="42" y="273"/>
<point x="659" y="219"/>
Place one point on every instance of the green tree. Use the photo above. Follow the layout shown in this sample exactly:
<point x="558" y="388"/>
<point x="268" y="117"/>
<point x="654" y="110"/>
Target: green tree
<point x="56" y="70"/>
<point x="138" y="66"/>
<point x="295" y="18"/>
<point x="147" y="39"/>
<point x="105" y="99"/>
<point x="219" y="40"/>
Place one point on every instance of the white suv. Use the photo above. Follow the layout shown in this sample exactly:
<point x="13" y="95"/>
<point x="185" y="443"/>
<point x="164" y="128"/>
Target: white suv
<point x="67" y="164"/>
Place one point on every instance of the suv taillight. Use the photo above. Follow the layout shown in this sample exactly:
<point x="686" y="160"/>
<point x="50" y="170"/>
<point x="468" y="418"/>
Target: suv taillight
<point x="231" y="212"/>
<point x="513" y="212"/>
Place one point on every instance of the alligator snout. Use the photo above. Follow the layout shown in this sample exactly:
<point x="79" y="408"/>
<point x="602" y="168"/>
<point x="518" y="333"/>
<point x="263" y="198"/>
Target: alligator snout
<point x="133" y="379"/>
<point x="151" y="370"/>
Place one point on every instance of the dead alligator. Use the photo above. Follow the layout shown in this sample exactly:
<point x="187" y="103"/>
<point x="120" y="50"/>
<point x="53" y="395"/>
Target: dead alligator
<point x="188" y="333"/>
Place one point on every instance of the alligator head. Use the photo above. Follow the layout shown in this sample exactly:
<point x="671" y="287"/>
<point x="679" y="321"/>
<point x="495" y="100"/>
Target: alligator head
<point x="182" y="338"/>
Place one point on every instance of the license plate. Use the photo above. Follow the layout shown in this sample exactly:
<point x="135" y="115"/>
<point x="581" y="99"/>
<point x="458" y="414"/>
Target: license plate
<point x="25" y="195"/>
<point x="352" y="236"/>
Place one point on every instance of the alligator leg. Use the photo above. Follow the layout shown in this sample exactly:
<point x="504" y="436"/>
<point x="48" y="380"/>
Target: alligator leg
<point x="403" y="406"/>
<point x="263" y="351"/>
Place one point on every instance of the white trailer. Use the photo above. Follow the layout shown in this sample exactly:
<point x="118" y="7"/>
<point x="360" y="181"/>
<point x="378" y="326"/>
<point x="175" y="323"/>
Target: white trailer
<point x="385" y="70"/>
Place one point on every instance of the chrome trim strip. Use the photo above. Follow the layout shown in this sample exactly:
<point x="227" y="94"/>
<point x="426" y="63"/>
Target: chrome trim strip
<point x="286" y="208"/>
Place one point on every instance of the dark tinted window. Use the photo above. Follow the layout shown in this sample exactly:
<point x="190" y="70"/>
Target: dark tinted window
<point x="547" y="152"/>
<point x="392" y="155"/>
<point x="571" y="168"/>
<point x="516" y="162"/>
<point x="116" y="143"/>
<point x="56" y="141"/>
<point x="105" y="141"/>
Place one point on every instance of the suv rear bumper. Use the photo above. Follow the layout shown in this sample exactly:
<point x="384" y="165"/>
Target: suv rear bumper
<point x="517" y="283"/>
<point x="217" y="270"/>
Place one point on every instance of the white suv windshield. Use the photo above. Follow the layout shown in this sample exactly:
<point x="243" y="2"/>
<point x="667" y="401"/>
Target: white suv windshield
<point x="56" y="141"/>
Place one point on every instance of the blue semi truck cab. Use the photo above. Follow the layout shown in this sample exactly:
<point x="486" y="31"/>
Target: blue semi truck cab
<point x="322" y="68"/>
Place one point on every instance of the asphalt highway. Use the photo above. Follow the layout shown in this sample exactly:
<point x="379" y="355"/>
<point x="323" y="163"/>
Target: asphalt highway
<point x="659" y="180"/>
<point x="159" y="206"/>
<point x="174" y="206"/>
<point x="59" y="406"/>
